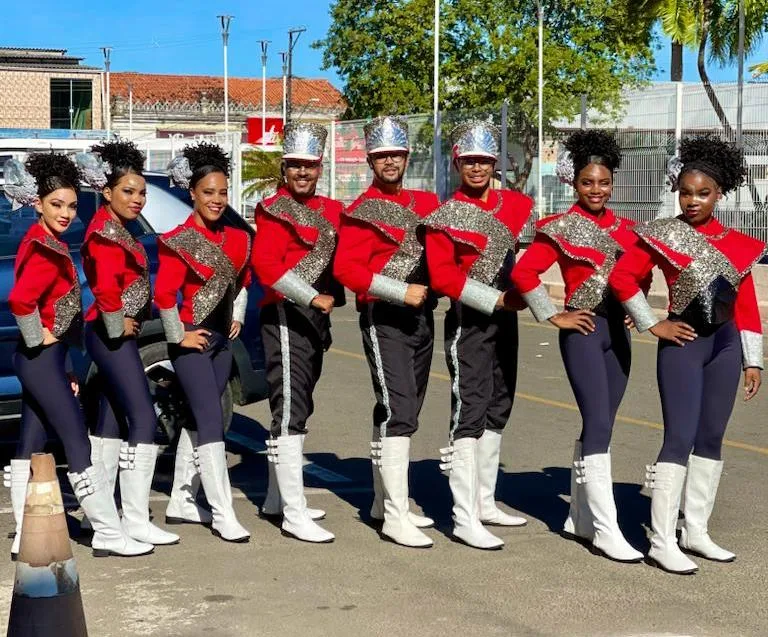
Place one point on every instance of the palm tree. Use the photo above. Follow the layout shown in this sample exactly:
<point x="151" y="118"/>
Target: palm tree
<point x="261" y="172"/>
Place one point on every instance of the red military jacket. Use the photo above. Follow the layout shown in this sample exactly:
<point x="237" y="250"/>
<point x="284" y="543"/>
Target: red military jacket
<point x="116" y="267"/>
<point x="46" y="292"/>
<point x="207" y="266"/>
<point x="585" y="247"/>
<point x="693" y="259"/>
<point x="379" y="251"/>
<point x="294" y="246"/>
<point x="470" y="245"/>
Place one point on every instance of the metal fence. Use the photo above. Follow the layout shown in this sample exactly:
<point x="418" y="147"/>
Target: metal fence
<point x="648" y="130"/>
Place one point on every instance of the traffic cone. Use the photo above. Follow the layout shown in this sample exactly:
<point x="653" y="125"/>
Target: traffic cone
<point x="46" y="593"/>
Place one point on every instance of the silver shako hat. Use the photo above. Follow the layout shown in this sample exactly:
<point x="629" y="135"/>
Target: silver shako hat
<point x="475" y="138"/>
<point x="304" y="140"/>
<point x="386" y="134"/>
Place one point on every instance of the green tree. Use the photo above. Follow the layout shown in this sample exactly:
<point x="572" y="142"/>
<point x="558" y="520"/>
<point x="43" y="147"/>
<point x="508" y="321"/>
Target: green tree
<point x="260" y="172"/>
<point x="383" y="52"/>
<point x="759" y="70"/>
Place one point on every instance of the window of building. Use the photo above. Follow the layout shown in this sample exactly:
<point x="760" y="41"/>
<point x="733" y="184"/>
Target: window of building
<point x="72" y="104"/>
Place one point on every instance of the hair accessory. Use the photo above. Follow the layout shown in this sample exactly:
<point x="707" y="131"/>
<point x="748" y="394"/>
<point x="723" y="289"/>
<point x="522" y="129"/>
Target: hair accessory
<point x="20" y="187"/>
<point x="564" y="168"/>
<point x="93" y="169"/>
<point x="179" y="171"/>
<point x="674" y="168"/>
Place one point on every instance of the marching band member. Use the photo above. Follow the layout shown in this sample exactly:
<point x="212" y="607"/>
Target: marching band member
<point x="207" y="263"/>
<point x="594" y="340"/>
<point x="379" y="257"/>
<point x="117" y="270"/>
<point x="292" y="257"/>
<point x="470" y="247"/>
<point x="45" y="300"/>
<point x="713" y="330"/>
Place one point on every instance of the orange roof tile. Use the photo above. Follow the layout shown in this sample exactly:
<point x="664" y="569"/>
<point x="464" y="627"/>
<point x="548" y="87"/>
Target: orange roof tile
<point x="247" y="91"/>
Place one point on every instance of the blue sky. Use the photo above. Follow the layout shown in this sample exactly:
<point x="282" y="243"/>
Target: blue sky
<point x="173" y="36"/>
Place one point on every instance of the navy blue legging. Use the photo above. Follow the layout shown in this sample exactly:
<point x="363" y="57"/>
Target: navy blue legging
<point x="597" y="366"/>
<point x="204" y="377"/>
<point x="49" y="404"/>
<point x="698" y="385"/>
<point x="125" y="398"/>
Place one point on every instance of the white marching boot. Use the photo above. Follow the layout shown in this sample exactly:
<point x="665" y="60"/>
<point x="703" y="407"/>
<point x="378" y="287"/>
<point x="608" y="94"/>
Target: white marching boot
<point x="377" y="507"/>
<point x="107" y="452"/>
<point x="598" y="493"/>
<point x="666" y="479"/>
<point x="91" y="489"/>
<point x="578" y="524"/>
<point x="16" y="477"/>
<point x="488" y="451"/>
<point x="273" y="503"/>
<point x="393" y="460"/>
<point x="700" y="493"/>
<point x="183" y="507"/>
<point x="214" y="475"/>
<point x="287" y="454"/>
<point x="137" y="466"/>
<point x="461" y="463"/>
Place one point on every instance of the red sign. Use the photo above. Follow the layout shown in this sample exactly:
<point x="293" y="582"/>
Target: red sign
<point x="273" y="129"/>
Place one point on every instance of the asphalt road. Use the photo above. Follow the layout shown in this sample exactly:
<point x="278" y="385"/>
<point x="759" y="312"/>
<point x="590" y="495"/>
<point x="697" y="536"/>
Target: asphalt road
<point x="539" y="584"/>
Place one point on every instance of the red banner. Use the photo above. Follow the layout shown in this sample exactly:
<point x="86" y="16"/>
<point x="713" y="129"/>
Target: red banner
<point x="273" y="130"/>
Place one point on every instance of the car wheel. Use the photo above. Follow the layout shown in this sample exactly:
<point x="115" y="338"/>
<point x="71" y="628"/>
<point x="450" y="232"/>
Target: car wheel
<point x="168" y="397"/>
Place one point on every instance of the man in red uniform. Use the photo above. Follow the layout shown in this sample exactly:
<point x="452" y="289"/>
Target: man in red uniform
<point x="381" y="260"/>
<point x="292" y="254"/>
<point x="470" y="244"/>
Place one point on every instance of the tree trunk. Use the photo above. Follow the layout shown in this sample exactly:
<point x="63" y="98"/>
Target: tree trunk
<point x="705" y="21"/>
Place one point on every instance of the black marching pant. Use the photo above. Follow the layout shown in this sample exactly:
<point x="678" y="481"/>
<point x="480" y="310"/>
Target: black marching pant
<point x="48" y="403"/>
<point x="481" y="352"/>
<point x="398" y="343"/>
<point x="294" y="339"/>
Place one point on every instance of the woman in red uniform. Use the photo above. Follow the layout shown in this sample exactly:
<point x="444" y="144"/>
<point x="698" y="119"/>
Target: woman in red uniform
<point x="594" y="340"/>
<point x="713" y="330"/>
<point x="117" y="270"/>
<point x="206" y="263"/>
<point x="292" y="257"/>
<point x="470" y="245"/>
<point x="45" y="300"/>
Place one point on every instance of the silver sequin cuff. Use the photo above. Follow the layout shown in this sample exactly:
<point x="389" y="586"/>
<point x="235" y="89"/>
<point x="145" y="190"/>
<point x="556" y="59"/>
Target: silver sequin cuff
<point x="540" y="304"/>
<point x="641" y="312"/>
<point x="114" y="323"/>
<point x="238" y="309"/>
<point x="751" y="349"/>
<point x="295" y="289"/>
<point x="31" y="328"/>
<point x="172" y="325"/>
<point x="388" y="289"/>
<point x="479" y="296"/>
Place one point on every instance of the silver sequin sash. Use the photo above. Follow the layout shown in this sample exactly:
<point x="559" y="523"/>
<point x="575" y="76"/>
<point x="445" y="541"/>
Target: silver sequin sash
<point x="68" y="308"/>
<point x="313" y="264"/>
<point x="381" y="213"/>
<point x="467" y="217"/>
<point x="135" y="297"/>
<point x="574" y="229"/>
<point x="206" y="253"/>
<point x="707" y="262"/>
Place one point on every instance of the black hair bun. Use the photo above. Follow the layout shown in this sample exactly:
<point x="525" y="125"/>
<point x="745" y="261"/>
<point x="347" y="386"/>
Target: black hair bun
<point x="206" y="154"/>
<point x="52" y="171"/>
<point x="121" y="155"/>
<point x="586" y="144"/>
<point x="721" y="160"/>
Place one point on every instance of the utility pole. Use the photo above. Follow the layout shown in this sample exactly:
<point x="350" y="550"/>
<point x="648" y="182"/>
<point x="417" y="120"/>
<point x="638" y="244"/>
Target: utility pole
<point x="264" y="46"/>
<point x="293" y="38"/>
<point x="107" y="52"/>
<point x="284" y="56"/>
<point x="225" y="20"/>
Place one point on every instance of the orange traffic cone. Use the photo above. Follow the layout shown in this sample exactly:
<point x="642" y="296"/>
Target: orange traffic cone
<point x="46" y="593"/>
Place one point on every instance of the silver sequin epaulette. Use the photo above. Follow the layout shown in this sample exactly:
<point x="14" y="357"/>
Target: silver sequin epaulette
<point x="381" y="213"/>
<point x="467" y="217"/>
<point x="311" y="267"/>
<point x="577" y="230"/>
<point x="117" y="233"/>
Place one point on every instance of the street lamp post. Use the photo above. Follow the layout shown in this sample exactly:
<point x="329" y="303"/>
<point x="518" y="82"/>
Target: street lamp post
<point x="264" y="45"/>
<point x="293" y="38"/>
<point x="130" y="110"/>
<point x="107" y="52"/>
<point x="284" y="56"/>
<point x="436" y="99"/>
<point x="225" y="20"/>
<point x="540" y="183"/>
